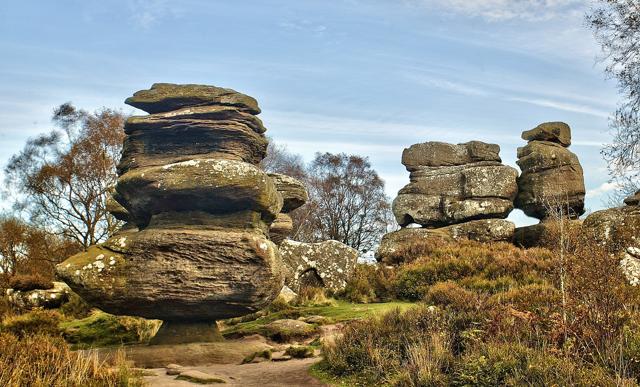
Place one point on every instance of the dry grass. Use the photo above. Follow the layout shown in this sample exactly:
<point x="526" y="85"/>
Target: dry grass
<point x="505" y="316"/>
<point x="41" y="360"/>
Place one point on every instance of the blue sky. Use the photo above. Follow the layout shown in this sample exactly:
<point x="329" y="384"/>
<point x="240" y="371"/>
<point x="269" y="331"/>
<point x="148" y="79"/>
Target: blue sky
<point x="369" y="77"/>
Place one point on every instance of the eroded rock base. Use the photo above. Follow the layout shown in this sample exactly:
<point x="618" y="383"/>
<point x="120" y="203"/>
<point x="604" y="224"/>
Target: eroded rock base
<point x="178" y="332"/>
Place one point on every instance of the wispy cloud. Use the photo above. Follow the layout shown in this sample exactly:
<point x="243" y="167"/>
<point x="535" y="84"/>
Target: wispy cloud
<point x="448" y="85"/>
<point x="602" y="189"/>
<point x="304" y="25"/>
<point x="146" y="13"/>
<point x="500" y="10"/>
<point x="570" y="107"/>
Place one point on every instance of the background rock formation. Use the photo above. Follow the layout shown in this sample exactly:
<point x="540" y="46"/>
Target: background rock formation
<point x="294" y="195"/>
<point x="551" y="174"/>
<point x="327" y="264"/>
<point x="618" y="228"/>
<point x="461" y="191"/>
<point x="189" y="182"/>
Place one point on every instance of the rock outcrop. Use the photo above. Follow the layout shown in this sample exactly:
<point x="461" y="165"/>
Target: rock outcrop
<point x="40" y="298"/>
<point x="453" y="184"/>
<point x="294" y="195"/>
<point x="328" y="264"/>
<point x="552" y="176"/>
<point x="619" y="229"/>
<point x="189" y="181"/>
<point x="455" y="191"/>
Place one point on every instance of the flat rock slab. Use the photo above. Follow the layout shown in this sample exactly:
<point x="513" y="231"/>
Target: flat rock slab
<point x="294" y="372"/>
<point x="200" y="377"/>
<point x="189" y="355"/>
<point x="164" y="97"/>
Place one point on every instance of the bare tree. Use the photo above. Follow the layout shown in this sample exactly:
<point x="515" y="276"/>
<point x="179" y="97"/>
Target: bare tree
<point x="61" y="179"/>
<point x="347" y="201"/>
<point x="280" y="160"/>
<point x="616" y="25"/>
<point x="27" y="249"/>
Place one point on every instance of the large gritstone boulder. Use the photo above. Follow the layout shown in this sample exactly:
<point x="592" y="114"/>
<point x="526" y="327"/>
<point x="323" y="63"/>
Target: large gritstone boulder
<point x="552" y="177"/>
<point x="328" y="264"/>
<point x="294" y="195"/>
<point x="619" y="228"/>
<point x="196" y="248"/>
<point x="454" y="183"/>
<point x="455" y="191"/>
<point x="40" y="298"/>
<point x="403" y="245"/>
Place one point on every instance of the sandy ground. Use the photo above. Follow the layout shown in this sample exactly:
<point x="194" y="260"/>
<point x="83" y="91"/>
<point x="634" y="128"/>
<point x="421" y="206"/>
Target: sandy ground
<point x="266" y="374"/>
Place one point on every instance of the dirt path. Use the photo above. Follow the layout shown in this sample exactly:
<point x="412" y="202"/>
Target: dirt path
<point x="266" y="374"/>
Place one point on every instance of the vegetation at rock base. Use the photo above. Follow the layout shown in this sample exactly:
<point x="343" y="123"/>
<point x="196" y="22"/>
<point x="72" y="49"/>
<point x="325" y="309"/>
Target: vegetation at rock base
<point x="34" y="353"/>
<point x="493" y="314"/>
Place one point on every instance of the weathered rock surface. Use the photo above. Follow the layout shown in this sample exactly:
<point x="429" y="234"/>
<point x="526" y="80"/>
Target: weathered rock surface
<point x="216" y="186"/>
<point x="552" y="177"/>
<point x="117" y="210"/>
<point x="196" y="247"/>
<point x="164" y="97"/>
<point x="633" y="200"/>
<point x="327" y="264"/>
<point x="40" y="298"/>
<point x="280" y="228"/>
<point x="454" y="183"/>
<point x="438" y="154"/>
<point x="400" y="246"/>
<point x="619" y="228"/>
<point x="192" y="133"/>
<point x="293" y="192"/>
<point x="458" y="191"/>
<point x="541" y="234"/>
<point x="484" y="230"/>
<point x="557" y="132"/>
<point x="178" y="274"/>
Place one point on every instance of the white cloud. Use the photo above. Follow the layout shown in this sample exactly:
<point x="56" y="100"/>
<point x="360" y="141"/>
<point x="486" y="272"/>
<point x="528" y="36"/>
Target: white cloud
<point x="444" y="84"/>
<point x="602" y="189"/>
<point x="563" y="106"/>
<point x="500" y="10"/>
<point x="146" y="13"/>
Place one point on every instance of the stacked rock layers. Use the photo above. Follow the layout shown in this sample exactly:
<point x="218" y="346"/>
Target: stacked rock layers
<point x="294" y="194"/>
<point x="456" y="191"/>
<point x="190" y="183"/>
<point x="552" y="177"/>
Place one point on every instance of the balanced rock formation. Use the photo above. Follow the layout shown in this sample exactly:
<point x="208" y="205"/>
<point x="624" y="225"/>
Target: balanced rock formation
<point x="294" y="195"/>
<point x="453" y="184"/>
<point x="455" y="191"/>
<point x="328" y="264"/>
<point x="552" y="176"/>
<point x="189" y="182"/>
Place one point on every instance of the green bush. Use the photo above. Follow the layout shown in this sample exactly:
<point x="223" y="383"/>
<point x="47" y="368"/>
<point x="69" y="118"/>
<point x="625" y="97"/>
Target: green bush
<point x="26" y="282"/>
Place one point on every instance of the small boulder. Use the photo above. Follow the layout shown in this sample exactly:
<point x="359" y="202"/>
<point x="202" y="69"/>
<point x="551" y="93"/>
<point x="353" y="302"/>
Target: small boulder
<point x="200" y="377"/>
<point x="557" y="132"/>
<point x="52" y="298"/>
<point x="165" y="97"/>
